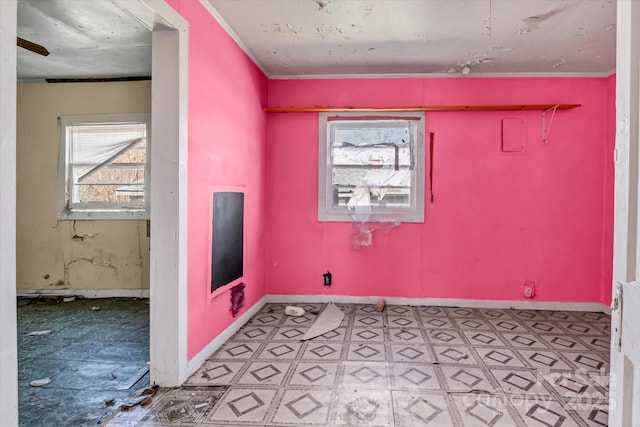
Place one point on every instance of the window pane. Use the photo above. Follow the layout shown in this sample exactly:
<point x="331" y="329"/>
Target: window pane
<point x="108" y="162"/>
<point x="375" y="155"/>
<point x="383" y="187"/>
<point x="371" y="167"/>
<point x="372" y="135"/>
<point x="117" y="193"/>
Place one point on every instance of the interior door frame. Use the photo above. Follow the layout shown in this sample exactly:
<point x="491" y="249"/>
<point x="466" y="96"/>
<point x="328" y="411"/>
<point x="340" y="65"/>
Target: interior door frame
<point x="8" y="320"/>
<point x="168" y="263"/>
<point x="168" y="192"/>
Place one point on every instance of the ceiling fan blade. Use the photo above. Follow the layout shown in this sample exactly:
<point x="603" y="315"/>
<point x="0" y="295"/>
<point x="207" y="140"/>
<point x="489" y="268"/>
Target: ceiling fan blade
<point x="33" y="47"/>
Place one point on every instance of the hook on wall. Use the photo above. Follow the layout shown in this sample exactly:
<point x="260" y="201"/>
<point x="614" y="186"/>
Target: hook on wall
<point x="545" y="129"/>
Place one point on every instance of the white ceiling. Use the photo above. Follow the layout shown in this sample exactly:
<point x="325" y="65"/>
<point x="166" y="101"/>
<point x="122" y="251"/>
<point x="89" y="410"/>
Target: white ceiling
<point x="85" y="38"/>
<point x="306" y="38"/>
<point x="301" y="38"/>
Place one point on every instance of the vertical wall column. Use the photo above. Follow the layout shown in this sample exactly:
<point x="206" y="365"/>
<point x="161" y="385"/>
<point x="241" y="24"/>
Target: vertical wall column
<point x="626" y="259"/>
<point x="168" y="275"/>
<point x="8" y="321"/>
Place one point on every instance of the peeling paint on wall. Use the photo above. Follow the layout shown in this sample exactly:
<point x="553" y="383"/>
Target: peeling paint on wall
<point x="83" y="255"/>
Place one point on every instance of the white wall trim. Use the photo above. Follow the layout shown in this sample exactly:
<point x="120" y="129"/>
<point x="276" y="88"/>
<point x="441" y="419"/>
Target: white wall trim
<point x="225" y="25"/>
<point x="8" y="320"/>
<point x="435" y="75"/>
<point x="197" y="360"/>
<point x="84" y="293"/>
<point x="441" y="302"/>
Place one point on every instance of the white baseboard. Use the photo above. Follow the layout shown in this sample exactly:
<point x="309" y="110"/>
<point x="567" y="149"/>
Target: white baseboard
<point x="85" y="293"/>
<point x="199" y="359"/>
<point x="442" y="302"/>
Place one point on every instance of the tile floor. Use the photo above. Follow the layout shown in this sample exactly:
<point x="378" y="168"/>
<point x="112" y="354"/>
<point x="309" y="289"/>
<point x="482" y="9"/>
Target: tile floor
<point x="91" y="356"/>
<point x="407" y="366"/>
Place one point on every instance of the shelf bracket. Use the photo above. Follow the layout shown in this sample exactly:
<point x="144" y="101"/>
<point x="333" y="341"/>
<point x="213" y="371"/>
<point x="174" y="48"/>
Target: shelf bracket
<point x="545" y="129"/>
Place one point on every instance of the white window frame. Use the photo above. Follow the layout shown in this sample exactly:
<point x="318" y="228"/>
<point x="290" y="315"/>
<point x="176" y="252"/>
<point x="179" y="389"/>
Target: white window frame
<point x="104" y="211"/>
<point x="328" y="212"/>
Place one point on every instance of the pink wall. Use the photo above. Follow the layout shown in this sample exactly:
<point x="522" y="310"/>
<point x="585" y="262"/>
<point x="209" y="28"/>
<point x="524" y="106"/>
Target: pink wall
<point x="497" y="220"/>
<point x="227" y="131"/>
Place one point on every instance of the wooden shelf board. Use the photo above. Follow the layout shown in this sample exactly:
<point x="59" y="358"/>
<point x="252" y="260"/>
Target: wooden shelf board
<point x="440" y="108"/>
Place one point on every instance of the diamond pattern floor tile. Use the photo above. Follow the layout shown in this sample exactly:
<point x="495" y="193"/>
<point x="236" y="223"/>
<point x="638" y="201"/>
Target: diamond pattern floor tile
<point x="243" y="405"/>
<point x="369" y="352"/>
<point x="445" y="336"/>
<point x="280" y="350"/>
<point x="454" y="354"/>
<point x="402" y="322"/>
<point x="363" y="407"/>
<point x="303" y="407"/>
<point x="544" y="360"/>
<point x="314" y="374"/>
<point x="410" y="353"/>
<point x="499" y="357"/>
<point x="484" y="410"/>
<point x="406" y="336"/>
<point x="520" y="382"/>
<point x="414" y="377"/>
<point x="404" y="366"/>
<point x="539" y="412"/>
<point x="367" y="334"/>
<point x="215" y="373"/>
<point x="365" y="376"/>
<point x="465" y="379"/>
<point x="264" y="373"/>
<point x="322" y="351"/>
<point x="420" y="409"/>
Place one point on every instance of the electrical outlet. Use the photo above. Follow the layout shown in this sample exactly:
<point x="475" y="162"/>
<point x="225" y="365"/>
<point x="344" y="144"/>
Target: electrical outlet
<point x="529" y="289"/>
<point x="327" y="278"/>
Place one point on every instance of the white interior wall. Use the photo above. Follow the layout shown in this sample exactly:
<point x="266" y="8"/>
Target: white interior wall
<point x="8" y="336"/>
<point x="79" y="257"/>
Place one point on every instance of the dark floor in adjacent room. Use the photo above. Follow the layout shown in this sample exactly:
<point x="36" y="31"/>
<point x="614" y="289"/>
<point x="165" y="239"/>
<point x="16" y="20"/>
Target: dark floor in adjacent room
<point x="95" y="352"/>
<point x="408" y="366"/>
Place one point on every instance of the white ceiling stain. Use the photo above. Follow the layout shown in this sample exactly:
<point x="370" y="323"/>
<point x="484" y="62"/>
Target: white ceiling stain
<point x="292" y="38"/>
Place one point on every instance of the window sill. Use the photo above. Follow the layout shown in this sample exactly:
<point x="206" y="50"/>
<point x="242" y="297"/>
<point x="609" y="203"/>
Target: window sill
<point x="399" y="217"/>
<point x="133" y="214"/>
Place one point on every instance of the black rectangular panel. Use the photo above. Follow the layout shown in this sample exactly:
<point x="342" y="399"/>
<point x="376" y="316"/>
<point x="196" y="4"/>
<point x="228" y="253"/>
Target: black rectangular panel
<point x="227" y="237"/>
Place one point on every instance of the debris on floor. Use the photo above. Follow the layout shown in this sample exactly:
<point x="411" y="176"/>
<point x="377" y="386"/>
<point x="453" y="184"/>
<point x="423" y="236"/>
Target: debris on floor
<point x="78" y="355"/>
<point x="142" y="397"/>
<point x="68" y="299"/>
<point x="380" y="305"/>
<point x="327" y="321"/>
<point x="402" y="366"/>
<point x="36" y="333"/>
<point x="40" y="382"/>
<point x="135" y="401"/>
<point x="147" y="391"/>
<point x="95" y="308"/>
<point x="292" y="310"/>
